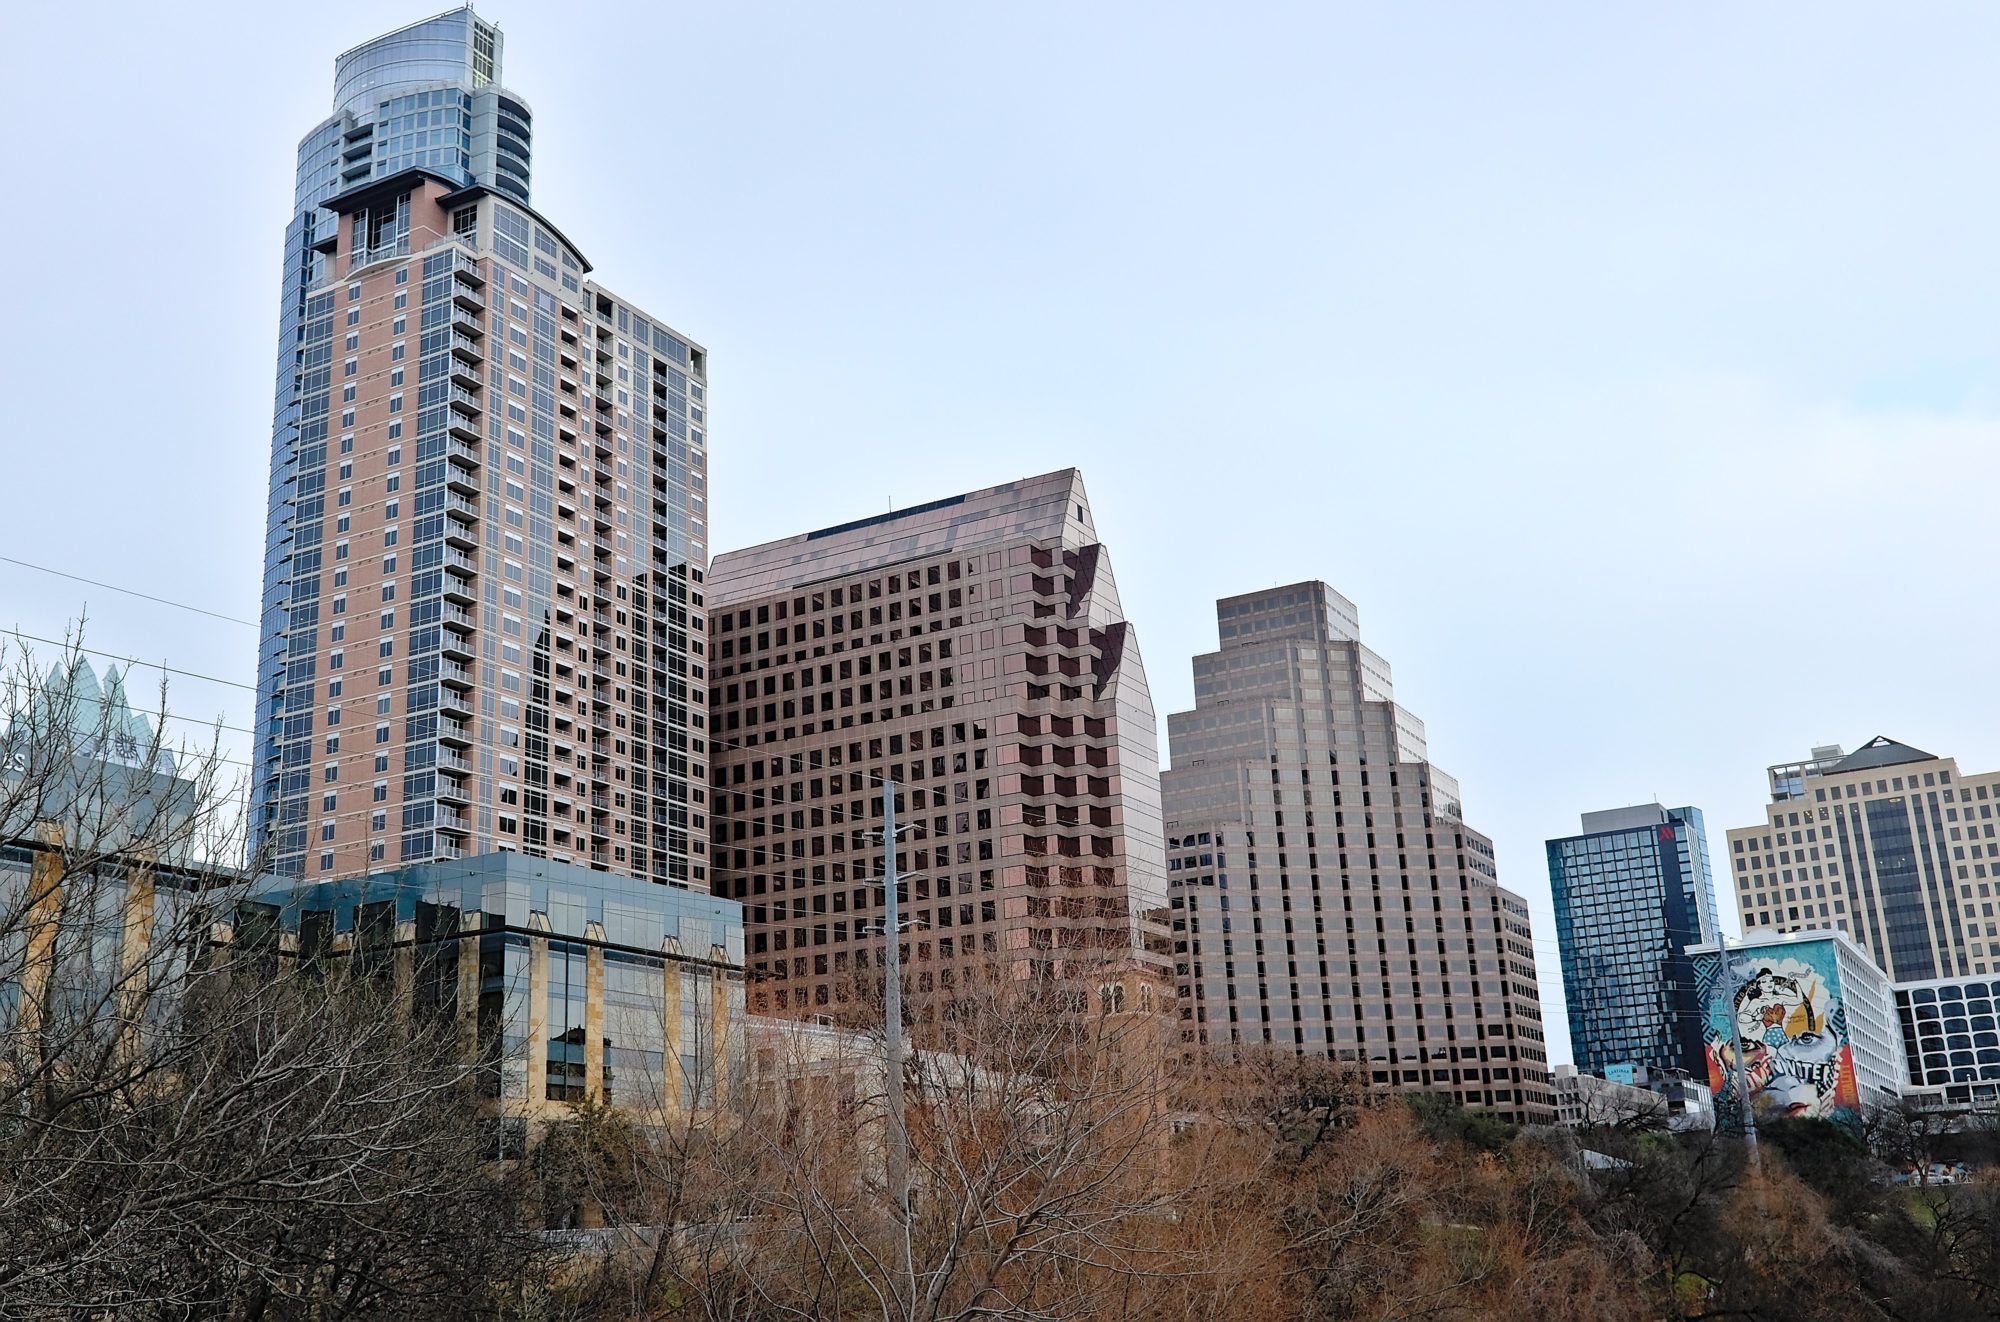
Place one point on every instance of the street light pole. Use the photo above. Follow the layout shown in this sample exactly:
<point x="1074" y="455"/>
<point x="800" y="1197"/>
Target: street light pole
<point x="1725" y="992"/>
<point x="892" y="1030"/>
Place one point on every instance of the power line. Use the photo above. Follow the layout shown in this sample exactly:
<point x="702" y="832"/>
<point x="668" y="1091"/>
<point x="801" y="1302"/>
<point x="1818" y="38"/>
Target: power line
<point x="130" y="592"/>
<point x="135" y="661"/>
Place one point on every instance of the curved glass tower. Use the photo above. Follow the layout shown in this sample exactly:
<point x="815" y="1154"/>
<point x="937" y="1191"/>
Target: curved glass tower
<point x="424" y="96"/>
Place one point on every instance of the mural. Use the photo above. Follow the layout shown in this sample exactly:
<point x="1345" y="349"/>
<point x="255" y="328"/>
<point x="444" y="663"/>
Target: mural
<point x="1780" y="1011"/>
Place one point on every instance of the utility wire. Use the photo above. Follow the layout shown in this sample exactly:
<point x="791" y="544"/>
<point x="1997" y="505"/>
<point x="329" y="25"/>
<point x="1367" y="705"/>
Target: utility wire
<point x="135" y="661"/>
<point x="130" y="592"/>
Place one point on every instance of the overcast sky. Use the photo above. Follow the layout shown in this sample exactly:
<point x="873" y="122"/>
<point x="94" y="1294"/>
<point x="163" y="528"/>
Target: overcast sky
<point x="1634" y="373"/>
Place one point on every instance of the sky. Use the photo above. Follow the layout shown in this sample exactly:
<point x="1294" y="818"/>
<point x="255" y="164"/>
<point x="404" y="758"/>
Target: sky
<point x="1636" y="373"/>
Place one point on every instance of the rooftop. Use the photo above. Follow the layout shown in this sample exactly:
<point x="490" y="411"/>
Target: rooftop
<point x="1881" y="751"/>
<point x="1051" y="507"/>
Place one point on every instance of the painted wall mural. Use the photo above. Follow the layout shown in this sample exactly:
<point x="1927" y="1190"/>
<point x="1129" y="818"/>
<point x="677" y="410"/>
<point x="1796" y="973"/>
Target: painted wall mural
<point x="1781" y="1012"/>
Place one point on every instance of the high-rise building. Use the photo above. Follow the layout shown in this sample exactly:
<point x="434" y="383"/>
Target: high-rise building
<point x="972" y="652"/>
<point x="483" y="619"/>
<point x="1631" y="894"/>
<point x="1327" y="895"/>
<point x="1889" y="844"/>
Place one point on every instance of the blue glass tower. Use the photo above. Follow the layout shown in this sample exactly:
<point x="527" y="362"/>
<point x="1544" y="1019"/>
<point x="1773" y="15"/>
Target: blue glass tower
<point x="1631" y="894"/>
<point x="424" y="96"/>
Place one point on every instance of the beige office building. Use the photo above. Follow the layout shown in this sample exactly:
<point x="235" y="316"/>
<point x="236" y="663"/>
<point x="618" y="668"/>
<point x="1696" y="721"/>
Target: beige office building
<point x="1327" y="895"/>
<point x="973" y="652"/>
<point x="1889" y="844"/>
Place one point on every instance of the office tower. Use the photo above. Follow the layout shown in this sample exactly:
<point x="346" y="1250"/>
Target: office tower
<point x="971" y="651"/>
<point x="1805" y="1020"/>
<point x="1328" y="896"/>
<point x="1889" y="844"/>
<point x="483" y="615"/>
<point x="1631" y="894"/>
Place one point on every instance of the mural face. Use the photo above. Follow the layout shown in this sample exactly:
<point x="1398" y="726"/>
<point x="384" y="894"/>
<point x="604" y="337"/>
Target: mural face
<point x="1784" y="1021"/>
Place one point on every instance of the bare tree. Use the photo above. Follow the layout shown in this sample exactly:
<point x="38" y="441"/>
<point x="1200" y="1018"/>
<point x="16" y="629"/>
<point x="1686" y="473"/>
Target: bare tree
<point x="1039" y="1128"/>
<point x="191" y="1124"/>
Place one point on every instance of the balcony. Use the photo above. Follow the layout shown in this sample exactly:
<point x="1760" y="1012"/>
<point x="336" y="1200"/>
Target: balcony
<point x="465" y="374"/>
<point x="466" y="270"/>
<point x="452" y="763"/>
<point x="454" y="676"/>
<point x="452" y="791"/>
<point x="461" y="529"/>
<point x="452" y="823"/>
<point x="462" y="469"/>
<point x="467" y="324"/>
<point x="454" y="704"/>
<point x="456" y="619"/>
<point x="467" y="297"/>
<point x="454" y="734"/>
<point x="467" y="348"/>
<point x="456" y="646"/>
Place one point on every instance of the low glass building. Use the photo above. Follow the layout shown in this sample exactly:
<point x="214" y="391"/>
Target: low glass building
<point x="568" y="982"/>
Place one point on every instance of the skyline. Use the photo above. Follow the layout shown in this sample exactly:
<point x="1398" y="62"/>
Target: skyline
<point x="1173" y="279"/>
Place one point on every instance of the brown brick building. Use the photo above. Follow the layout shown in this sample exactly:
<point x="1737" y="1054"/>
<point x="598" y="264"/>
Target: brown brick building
<point x="972" y="651"/>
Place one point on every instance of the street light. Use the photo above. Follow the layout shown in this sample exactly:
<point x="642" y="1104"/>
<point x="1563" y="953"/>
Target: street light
<point x="892" y="1029"/>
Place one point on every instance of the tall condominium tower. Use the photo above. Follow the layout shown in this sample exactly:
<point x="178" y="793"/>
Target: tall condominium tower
<point x="1632" y="893"/>
<point x="482" y="620"/>
<point x="1891" y="845"/>
<point x="1326" y="894"/>
<point x="971" y="651"/>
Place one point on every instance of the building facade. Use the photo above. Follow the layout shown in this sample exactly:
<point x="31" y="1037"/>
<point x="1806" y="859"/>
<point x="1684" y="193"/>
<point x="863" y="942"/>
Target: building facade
<point x="972" y="653"/>
<point x="1327" y="894"/>
<point x="1951" y="1040"/>
<point x="1632" y="892"/>
<point x="483" y="617"/>
<point x="1635" y="1098"/>
<point x="568" y="983"/>
<point x="1588" y="1101"/>
<point x="1810" y="1020"/>
<point x="1889" y="844"/>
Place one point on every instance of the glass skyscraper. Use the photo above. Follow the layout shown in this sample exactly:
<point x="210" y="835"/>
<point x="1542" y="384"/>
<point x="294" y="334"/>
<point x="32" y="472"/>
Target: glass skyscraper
<point x="483" y="612"/>
<point x="1632" y="892"/>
